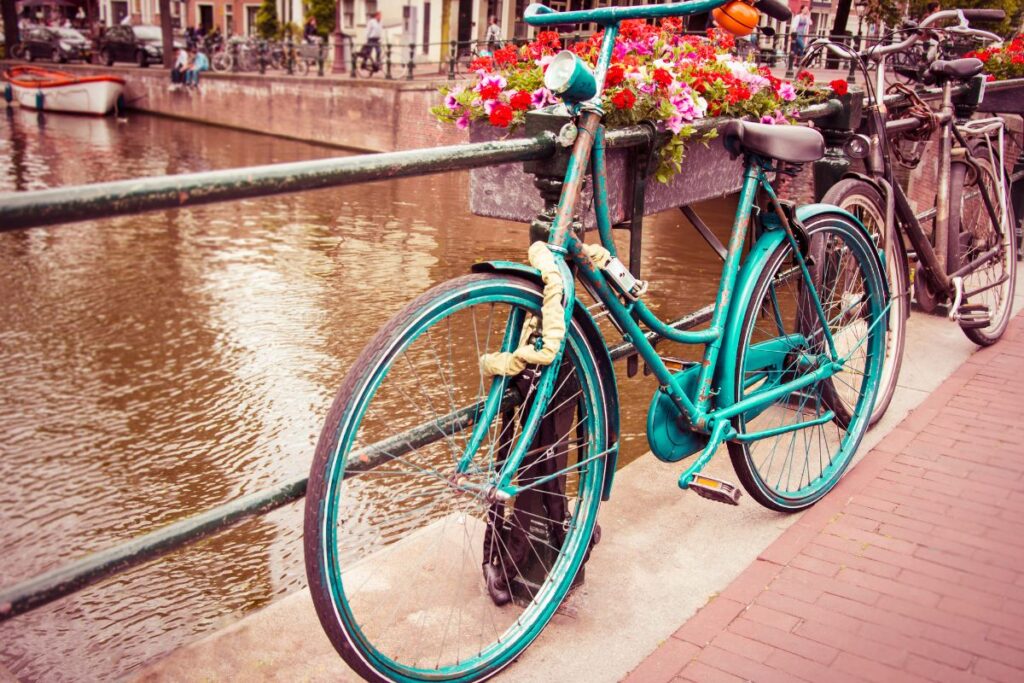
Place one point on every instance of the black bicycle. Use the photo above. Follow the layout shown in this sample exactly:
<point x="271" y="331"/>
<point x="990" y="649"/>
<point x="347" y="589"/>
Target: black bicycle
<point x="968" y="263"/>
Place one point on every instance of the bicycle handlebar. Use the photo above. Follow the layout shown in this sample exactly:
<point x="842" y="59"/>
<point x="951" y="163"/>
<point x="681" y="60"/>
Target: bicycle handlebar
<point x="541" y="15"/>
<point x="984" y="14"/>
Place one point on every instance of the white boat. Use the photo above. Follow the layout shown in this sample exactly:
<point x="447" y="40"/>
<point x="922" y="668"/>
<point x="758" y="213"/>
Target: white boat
<point x="43" y="89"/>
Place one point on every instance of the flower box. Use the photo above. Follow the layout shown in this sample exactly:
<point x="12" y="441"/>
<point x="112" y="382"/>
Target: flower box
<point x="507" y="191"/>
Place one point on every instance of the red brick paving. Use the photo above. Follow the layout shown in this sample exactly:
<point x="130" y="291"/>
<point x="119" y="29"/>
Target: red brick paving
<point x="912" y="569"/>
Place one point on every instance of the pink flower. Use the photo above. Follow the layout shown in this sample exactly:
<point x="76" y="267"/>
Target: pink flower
<point x="768" y="118"/>
<point x="490" y="81"/>
<point x="462" y="123"/>
<point x="451" y="102"/>
<point x="541" y="97"/>
<point x="787" y="92"/>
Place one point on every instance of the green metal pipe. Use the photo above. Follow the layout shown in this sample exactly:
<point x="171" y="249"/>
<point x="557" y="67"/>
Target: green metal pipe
<point x="86" y="202"/>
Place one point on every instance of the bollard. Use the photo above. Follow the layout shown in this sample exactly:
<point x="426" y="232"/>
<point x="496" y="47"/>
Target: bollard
<point x="412" y="61"/>
<point x="320" y="60"/>
<point x="387" y="61"/>
<point x="452" y="56"/>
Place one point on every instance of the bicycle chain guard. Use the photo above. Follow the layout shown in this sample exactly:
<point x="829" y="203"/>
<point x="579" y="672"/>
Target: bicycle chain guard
<point x="668" y="433"/>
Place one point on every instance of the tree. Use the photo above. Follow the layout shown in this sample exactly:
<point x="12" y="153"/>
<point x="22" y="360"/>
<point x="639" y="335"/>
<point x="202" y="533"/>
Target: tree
<point x="267" y="24"/>
<point x="325" y="12"/>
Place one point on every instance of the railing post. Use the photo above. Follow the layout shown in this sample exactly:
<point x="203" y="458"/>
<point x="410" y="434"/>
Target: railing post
<point x="234" y="56"/>
<point x="790" y="56"/>
<point x="289" y="54"/>
<point x="851" y="77"/>
<point x="452" y="56"/>
<point x="261" y="52"/>
<point x="320" y="59"/>
<point x="387" y="61"/>
<point x="412" y="61"/>
<point x="352" y="56"/>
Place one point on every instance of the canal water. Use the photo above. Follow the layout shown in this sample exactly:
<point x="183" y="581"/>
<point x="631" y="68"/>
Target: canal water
<point x="155" y="366"/>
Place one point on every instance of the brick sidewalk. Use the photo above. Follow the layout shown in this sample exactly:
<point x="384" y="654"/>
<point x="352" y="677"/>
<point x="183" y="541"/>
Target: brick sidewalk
<point x="912" y="569"/>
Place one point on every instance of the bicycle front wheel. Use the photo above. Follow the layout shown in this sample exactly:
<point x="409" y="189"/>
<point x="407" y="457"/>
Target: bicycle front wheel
<point x="866" y="203"/>
<point x="396" y="546"/>
<point x="810" y="435"/>
<point x="974" y="233"/>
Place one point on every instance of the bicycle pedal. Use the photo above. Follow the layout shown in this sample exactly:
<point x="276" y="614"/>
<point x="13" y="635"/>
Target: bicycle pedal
<point x="973" y="316"/>
<point x="715" y="489"/>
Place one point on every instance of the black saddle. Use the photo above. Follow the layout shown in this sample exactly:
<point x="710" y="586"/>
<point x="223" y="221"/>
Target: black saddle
<point x="943" y="70"/>
<point x="795" y="144"/>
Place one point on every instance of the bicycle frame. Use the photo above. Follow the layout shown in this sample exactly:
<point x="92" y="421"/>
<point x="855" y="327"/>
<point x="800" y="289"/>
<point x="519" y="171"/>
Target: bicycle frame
<point x="878" y="164"/>
<point x="701" y="411"/>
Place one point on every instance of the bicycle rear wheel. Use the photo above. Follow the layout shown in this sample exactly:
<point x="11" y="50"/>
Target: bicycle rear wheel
<point x="988" y="289"/>
<point x="782" y="338"/>
<point x="394" y="546"/>
<point x="866" y="203"/>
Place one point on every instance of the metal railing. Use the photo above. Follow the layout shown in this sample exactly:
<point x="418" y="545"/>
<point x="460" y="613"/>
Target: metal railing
<point x="50" y="207"/>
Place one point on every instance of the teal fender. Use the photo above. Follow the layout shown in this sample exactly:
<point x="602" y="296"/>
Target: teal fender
<point x="752" y="266"/>
<point x="603" y="360"/>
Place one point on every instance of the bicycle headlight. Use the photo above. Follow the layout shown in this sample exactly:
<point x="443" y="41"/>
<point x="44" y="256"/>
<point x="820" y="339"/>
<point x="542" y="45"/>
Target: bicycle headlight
<point x="66" y="46"/>
<point x="857" y="147"/>
<point x="570" y="78"/>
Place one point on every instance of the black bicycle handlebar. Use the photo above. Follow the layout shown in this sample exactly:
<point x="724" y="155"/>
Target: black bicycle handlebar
<point x="984" y="14"/>
<point x="774" y="9"/>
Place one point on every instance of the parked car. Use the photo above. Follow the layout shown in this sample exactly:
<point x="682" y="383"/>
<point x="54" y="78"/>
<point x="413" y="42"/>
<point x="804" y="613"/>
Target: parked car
<point x="55" y="44"/>
<point x="140" y="44"/>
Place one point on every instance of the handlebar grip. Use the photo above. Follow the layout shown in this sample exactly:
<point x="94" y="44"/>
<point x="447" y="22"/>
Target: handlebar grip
<point x="984" y="14"/>
<point x="535" y="9"/>
<point x="775" y="9"/>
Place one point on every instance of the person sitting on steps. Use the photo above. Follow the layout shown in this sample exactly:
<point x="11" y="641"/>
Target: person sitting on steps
<point x="199" y="64"/>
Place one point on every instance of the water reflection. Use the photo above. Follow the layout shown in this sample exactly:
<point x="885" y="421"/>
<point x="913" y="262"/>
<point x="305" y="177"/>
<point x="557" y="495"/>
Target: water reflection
<point x="154" y="366"/>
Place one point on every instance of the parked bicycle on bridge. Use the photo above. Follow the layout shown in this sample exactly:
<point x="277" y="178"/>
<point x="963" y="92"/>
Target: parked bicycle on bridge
<point x="478" y="430"/>
<point x="968" y="263"/>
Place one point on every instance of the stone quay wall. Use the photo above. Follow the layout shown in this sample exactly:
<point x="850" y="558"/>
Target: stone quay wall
<point x="369" y="115"/>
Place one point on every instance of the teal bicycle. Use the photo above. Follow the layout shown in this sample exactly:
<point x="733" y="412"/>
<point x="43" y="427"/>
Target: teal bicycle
<point x="454" y="493"/>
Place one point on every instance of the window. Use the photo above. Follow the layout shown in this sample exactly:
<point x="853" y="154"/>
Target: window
<point x="229" y="20"/>
<point x="348" y="13"/>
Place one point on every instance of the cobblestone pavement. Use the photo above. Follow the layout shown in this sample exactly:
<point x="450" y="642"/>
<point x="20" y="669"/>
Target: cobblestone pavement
<point x="912" y="569"/>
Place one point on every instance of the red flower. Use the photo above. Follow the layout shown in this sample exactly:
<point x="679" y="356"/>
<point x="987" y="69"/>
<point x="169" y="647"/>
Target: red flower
<point x="1017" y="59"/>
<point x="805" y="76"/>
<point x="501" y="115"/>
<point x="673" y="24"/>
<point x="489" y="92"/>
<point x="983" y="55"/>
<point x="484" y="63"/>
<point x="624" y="99"/>
<point x="839" y="86"/>
<point x="989" y="78"/>
<point x="662" y="78"/>
<point x="614" y="76"/>
<point x="738" y="93"/>
<point x="506" y="55"/>
<point x="521" y="100"/>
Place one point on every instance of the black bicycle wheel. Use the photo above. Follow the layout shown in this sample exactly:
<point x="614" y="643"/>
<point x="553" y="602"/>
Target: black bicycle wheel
<point x="865" y="202"/>
<point x="988" y="289"/>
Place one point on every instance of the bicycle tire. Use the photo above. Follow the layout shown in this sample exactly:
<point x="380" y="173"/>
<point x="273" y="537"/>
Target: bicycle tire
<point x="371" y="504"/>
<point x="366" y="67"/>
<point x="976" y="233"/>
<point x="840" y="249"/>
<point x="865" y="202"/>
<point x="221" y="62"/>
